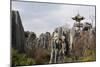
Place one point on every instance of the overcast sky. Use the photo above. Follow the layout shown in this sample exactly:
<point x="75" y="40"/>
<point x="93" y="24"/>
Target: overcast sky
<point x="43" y="17"/>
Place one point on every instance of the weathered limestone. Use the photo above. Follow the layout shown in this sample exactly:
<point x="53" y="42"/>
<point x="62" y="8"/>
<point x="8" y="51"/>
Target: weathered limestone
<point x="30" y="40"/>
<point x="17" y="30"/>
<point x="56" y="49"/>
<point x="44" y="40"/>
<point x="59" y="44"/>
<point x="33" y="42"/>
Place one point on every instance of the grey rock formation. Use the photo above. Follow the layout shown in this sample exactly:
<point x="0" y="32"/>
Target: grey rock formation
<point x="33" y="42"/>
<point x="44" y="40"/>
<point x="56" y="49"/>
<point x="59" y="44"/>
<point x="30" y="40"/>
<point x="64" y="35"/>
<point x="17" y="30"/>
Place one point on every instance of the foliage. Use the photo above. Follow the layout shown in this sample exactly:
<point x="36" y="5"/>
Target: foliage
<point x="21" y="59"/>
<point x="41" y="56"/>
<point x="90" y="55"/>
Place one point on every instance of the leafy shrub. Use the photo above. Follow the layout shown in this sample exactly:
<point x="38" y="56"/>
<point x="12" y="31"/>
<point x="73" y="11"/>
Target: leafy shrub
<point x="21" y="59"/>
<point x="41" y="56"/>
<point x="90" y="55"/>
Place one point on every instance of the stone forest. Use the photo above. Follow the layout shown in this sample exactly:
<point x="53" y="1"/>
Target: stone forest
<point x="64" y="45"/>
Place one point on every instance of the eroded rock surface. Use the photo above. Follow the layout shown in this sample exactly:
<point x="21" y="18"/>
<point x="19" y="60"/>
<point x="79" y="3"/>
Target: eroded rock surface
<point x="18" y="38"/>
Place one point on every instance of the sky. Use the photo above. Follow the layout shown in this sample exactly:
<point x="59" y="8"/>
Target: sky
<point x="45" y="17"/>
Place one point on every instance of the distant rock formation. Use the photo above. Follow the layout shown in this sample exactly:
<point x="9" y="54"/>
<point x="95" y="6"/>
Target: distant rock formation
<point x="30" y="40"/>
<point x="17" y="30"/>
<point x="44" y="40"/>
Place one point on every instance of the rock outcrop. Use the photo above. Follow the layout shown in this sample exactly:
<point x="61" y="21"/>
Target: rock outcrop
<point x="59" y="44"/>
<point x="30" y="38"/>
<point x="33" y="42"/>
<point x="64" y="35"/>
<point x="44" y="40"/>
<point x="17" y="30"/>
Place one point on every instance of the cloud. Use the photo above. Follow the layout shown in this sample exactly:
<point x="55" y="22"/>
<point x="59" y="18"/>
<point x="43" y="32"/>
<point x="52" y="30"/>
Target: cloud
<point x="42" y="17"/>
